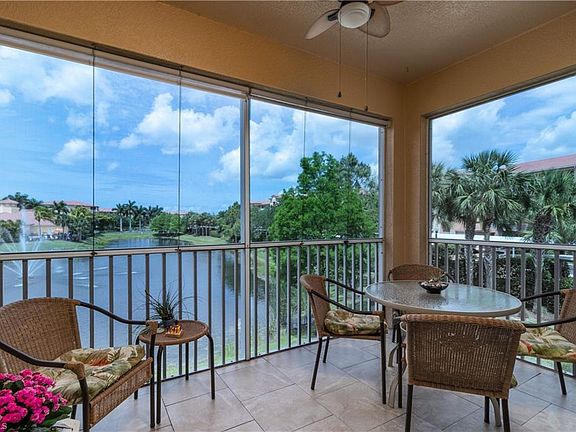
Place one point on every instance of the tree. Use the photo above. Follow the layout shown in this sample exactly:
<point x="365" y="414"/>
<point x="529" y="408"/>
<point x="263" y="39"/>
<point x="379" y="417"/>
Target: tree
<point x="486" y="190"/>
<point x="10" y="230"/>
<point x="328" y="201"/>
<point x="552" y="208"/>
<point x="229" y="223"/>
<point x="42" y="213"/>
<point x="443" y="203"/>
<point x="140" y="215"/>
<point x="60" y="211"/>
<point x="130" y="212"/>
<point x="166" y="224"/>
<point x="120" y="211"/>
<point x="23" y="200"/>
<point x="80" y="223"/>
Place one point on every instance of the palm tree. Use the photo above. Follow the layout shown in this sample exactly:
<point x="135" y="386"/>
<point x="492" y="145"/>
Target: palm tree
<point x="20" y="198"/>
<point x="443" y="203"/>
<point x="130" y="210"/>
<point x="487" y="190"/>
<point x="140" y="214"/>
<point x="120" y="210"/>
<point x="552" y="205"/>
<point x="42" y="213"/>
<point x="60" y="211"/>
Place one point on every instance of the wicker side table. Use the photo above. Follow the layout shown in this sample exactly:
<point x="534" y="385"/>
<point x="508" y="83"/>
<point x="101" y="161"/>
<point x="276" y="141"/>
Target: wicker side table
<point x="191" y="331"/>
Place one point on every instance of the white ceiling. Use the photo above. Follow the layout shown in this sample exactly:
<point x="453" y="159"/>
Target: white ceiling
<point x="425" y="37"/>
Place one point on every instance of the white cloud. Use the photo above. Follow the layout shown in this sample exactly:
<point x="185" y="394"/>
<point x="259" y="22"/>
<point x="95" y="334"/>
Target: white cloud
<point x="74" y="151"/>
<point x="79" y="121"/>
<point x="40" y="78"/>
<point x="558" y="139"/>
<point x="201" y="132"/>
<point x="112" y="166"/>
<point x="5" y="97"/>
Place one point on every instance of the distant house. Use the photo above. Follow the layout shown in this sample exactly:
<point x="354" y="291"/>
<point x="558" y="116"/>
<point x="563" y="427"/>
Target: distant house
<point x="562" y="162"/>
<point x="273" y="201"/>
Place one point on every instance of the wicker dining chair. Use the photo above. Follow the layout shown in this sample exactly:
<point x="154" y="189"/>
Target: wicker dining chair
<point x="316" y="287"/>
<point x="463" y="354"/>
<point x="35" y="332"/>
<point x="556" y="343"/>
<point x="416" y="272"/>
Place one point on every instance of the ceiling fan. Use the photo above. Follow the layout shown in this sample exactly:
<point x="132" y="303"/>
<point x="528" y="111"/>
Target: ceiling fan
<point x="354" y="14"/>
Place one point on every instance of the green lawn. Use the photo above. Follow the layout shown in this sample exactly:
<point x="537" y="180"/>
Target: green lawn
<point x="102" y="241"/>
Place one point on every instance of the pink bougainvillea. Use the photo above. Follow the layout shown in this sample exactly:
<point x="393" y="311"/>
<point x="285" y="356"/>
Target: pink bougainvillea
<point x="27" y="402"/>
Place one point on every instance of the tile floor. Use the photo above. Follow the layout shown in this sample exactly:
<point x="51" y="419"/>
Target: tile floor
<point x="273" y="394"/>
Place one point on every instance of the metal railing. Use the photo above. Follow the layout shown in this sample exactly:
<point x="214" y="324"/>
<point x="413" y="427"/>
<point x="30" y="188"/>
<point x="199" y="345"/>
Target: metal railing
<point x="269" y="313"/>
<point x="519" y="269"/>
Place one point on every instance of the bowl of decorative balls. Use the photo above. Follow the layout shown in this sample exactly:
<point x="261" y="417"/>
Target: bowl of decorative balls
<point x="435" y="285"/>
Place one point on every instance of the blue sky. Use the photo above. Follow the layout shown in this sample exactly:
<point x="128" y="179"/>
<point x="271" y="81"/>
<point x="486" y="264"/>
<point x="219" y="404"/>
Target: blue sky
<point x="534" y="124"/>
<point x="48" y="149"/>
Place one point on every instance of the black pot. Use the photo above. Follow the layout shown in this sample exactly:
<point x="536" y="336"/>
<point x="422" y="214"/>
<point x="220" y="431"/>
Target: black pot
<point x="168" y="323"/>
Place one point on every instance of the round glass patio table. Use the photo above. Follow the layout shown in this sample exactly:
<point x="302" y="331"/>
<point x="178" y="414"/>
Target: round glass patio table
<point x="457" y="299"/>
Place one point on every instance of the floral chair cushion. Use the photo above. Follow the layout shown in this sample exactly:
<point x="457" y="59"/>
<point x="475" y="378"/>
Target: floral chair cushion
<point x="545" y="342"/>
<point x="341" y="322"/>
<point x="103" y="368"/>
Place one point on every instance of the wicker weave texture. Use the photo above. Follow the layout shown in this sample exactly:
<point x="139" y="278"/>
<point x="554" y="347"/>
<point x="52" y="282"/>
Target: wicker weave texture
<point x="568" y="330"/>
<point x="414" y="272"/>
<point x="118" y="392"/>
<point x="466" y="354"/>
<point x="319" y="307"/>
<point x="44" y="328"/>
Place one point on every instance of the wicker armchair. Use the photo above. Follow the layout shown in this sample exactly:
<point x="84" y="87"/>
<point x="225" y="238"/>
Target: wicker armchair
<point x="464" y="354"/>
<point x="557" y="343"/>
<point x="415" y="272"/>
<point x="316" y="288"/>
<point x="35" y="332"/>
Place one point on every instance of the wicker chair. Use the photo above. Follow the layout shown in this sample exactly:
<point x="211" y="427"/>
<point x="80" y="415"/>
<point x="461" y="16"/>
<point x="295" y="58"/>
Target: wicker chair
<point x="316" y="288"/>
<point x="35" y="332"/>
<point x="464" y="354"/>
<point x="415" y="272"/>
<point x="562" y="339"/>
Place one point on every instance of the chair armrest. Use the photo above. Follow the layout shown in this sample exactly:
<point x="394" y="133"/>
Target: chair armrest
<point x="113" y="316"/>
<point x="537" y="296"/>
<point x="340" y="284"/>
<point x="550" y="323"/>
<point x="74" y="366"/>
<point x="380" y="314"/>
<point x="29" y="359"/>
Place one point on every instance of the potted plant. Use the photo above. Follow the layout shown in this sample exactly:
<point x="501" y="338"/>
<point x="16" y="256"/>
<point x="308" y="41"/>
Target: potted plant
<point x="164" y="308"/>
<point x="27" y="402"/>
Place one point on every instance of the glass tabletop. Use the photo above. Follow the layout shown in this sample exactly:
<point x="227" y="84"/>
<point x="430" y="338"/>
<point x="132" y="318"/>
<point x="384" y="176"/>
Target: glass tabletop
<point x="457" y="299"/>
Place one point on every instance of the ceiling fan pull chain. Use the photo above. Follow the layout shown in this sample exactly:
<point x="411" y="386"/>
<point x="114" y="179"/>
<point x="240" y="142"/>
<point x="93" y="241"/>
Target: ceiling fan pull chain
<point x="339" y="60"/>
<point x="366" y="70"/>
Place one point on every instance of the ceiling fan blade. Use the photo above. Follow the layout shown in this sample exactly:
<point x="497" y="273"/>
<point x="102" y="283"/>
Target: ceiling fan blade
<point x="387" y="3"/>
<point x="379" y="23"/>
<point x="322" y="24"/>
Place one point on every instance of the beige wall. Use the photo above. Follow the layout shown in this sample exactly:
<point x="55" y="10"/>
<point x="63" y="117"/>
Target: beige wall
<point x="545" y="51"/>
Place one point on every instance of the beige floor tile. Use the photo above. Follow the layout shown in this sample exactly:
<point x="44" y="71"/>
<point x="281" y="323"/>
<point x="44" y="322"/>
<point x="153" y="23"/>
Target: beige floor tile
<point x="523" y="407"/>
<point x="547" y="387"/>
<point x="291" y="359"/>
<point x="177" y="390"/>
<point x="369" y="374"/>
<point x="346" y="355"/>
<point x="475" y="422"/>
<point x="251" y="426"/>
<point x="287" y="409"/>
<point x="256" y="380"/>
<point x="204" y="414"/>
<point x="240" y="365"/>
<point x="358" y="406"/>
<point x="552" y="419"/>
<point x="398" y="425"/>
<point x="131" y="416"/>
<point x="524" y="371"/>
<point x="439" y="407"/>
<point x="329" y="378"/>
<point x="329" y="424"/>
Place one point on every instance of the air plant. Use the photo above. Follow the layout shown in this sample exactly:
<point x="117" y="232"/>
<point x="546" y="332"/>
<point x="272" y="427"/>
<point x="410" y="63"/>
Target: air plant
<point x="165" y="308"/>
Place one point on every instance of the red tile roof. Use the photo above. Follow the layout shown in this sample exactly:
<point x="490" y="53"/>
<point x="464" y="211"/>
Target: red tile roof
<point x="548" y="164"/>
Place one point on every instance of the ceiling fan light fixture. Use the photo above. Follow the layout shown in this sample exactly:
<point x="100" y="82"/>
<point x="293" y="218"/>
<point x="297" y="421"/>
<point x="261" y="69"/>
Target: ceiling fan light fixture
<point x="354" y="14"/>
